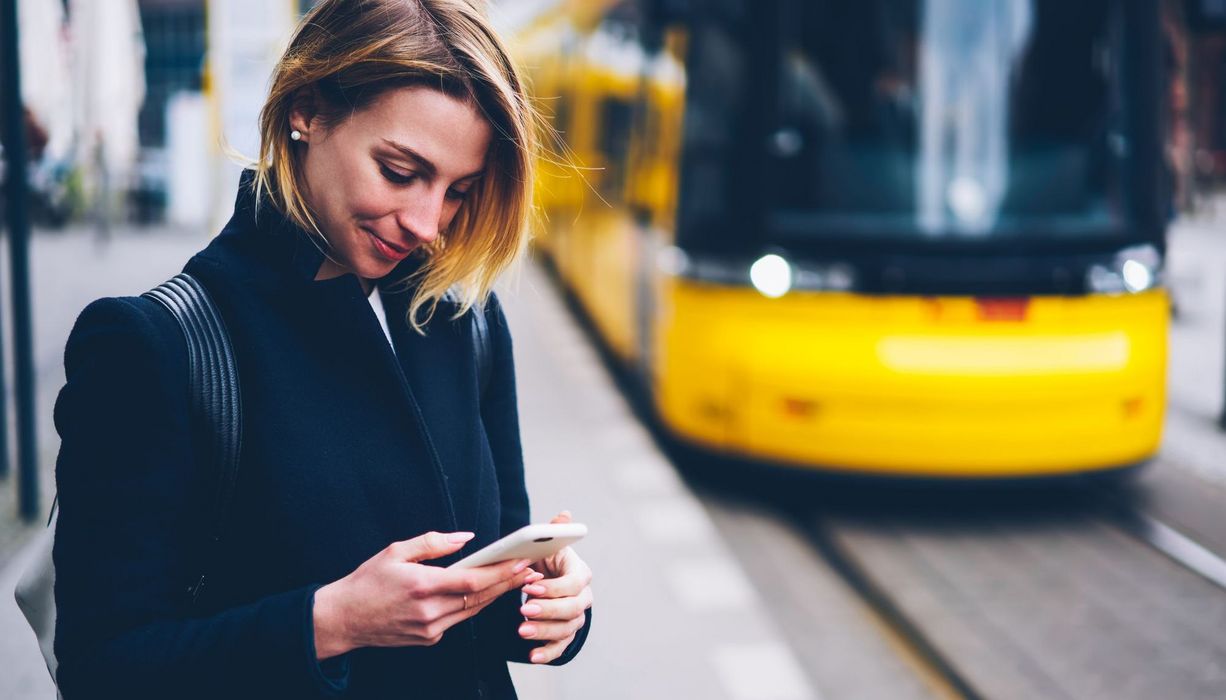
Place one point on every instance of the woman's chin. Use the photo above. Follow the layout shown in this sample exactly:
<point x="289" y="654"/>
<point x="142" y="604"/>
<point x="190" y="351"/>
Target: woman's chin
<point x="374" y="270"/>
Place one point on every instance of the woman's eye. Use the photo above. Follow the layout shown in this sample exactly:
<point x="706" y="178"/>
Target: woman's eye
<point x="457" y="195"/>
<point x="395" y="177"/>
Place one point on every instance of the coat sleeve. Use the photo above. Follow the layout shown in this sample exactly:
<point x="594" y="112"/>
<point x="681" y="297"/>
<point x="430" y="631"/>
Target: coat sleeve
<point x="500" y="414"/>
<point x="133" y="509"/>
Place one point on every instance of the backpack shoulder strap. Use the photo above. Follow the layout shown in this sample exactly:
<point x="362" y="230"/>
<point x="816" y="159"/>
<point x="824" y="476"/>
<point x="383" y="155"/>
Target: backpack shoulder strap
<point x="215" y="400"/>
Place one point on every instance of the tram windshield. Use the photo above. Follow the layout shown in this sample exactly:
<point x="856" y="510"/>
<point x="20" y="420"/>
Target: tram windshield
<point x="944" y="119"/>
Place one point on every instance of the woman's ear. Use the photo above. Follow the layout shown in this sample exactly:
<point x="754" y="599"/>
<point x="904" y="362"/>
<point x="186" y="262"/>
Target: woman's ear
<point x="304" y="111"/>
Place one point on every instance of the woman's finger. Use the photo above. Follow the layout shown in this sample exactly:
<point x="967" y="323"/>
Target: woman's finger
<point x="550" y="631"/>
<point x="489" y="595"/>
<point x="427" y="546"/>
<point x="563" y="517"/>
<point x="558" y="608"/>
<point x="484" y="597"/>
<point x="565" y="587"/>
<point x="450" y="620"/>
<point x="469" y="581"/>
<point x="548" y="652"/>
<point x="561" y="587"/>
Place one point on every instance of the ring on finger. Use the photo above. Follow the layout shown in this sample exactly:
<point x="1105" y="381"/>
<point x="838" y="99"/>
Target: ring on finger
<point x="465" y="603"/>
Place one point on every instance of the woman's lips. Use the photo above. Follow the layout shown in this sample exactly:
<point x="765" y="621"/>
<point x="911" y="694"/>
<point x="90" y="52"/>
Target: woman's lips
<point x="386" y="249"/>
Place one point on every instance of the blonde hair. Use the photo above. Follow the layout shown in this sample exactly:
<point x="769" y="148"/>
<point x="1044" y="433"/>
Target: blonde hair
<point x="349" y="52"/>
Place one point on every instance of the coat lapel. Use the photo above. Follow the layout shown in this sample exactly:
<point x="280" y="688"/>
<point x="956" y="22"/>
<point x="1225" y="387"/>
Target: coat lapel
<point x="439" y="385"/>
<point x="349" y="311"/>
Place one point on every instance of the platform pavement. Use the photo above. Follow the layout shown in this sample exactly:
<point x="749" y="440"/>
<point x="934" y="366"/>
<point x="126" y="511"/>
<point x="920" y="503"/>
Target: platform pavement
<point x="655" y="636"/>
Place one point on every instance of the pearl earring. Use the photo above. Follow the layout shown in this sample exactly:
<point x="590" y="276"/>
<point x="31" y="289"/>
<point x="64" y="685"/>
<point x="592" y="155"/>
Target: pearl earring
<point x="295" y="135"/>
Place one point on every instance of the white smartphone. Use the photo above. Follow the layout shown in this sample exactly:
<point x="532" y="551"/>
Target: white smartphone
<point x="533" y="542"/>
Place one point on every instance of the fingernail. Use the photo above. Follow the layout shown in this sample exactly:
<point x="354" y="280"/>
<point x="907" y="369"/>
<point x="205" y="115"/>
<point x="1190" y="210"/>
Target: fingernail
<point x="458" y="537"/>
<point x="521" y="566"/>
<point x="536" y="576"/>
<point x="526" y="631"/>
<point x="534" y="589"/>
<point x="537" y="657"/>
<point x="529" y="610"/>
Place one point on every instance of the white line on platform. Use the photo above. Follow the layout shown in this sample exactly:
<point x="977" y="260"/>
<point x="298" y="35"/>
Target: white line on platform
<point x="675" y="520"/>
<point x="764" y="671"/>
<point x="568" y="343"/>
<point x="584" y="373"/>
<point x="710" y="585"/>
<point x="647" y="474"/>
<point x="626" y="435"/>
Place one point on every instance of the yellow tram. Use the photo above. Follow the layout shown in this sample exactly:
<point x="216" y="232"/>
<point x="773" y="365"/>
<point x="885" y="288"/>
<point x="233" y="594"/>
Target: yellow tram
<point x="907" y="237"/>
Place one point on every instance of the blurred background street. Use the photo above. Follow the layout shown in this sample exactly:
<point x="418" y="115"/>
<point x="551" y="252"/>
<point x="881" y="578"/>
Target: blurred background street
<point x="881" y="345"/>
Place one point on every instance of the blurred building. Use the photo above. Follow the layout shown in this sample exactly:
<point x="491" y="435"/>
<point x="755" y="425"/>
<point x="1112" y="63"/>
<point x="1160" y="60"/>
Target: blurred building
<point x="140" y="102"/>
<point x="51" y="120"/>
<point x="1206" y="76"/>
<point x="46" y="73"/>
<point x="109" y="87"/>
<point x="1195" y="32"/>
<point x="175" y="41"/>
<point x="83" y="83"/>
<point x="174" y="59"/>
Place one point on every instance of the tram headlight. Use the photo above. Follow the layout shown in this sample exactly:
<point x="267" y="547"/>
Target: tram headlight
<point x="1133" y="270"/>
<point x="672" y="261"/>
<point x="1137" y="276"/>
<point x="771" y="275"/>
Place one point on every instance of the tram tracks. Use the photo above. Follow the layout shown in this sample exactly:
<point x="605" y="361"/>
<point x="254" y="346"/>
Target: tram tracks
<point x="934" y="668"/>
<point x="1168" y="541"/>
<point x="938" y="669"/>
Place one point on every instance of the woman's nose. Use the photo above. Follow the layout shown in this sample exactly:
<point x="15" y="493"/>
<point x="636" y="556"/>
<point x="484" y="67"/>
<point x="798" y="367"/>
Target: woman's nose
<point x="422" y="218"/>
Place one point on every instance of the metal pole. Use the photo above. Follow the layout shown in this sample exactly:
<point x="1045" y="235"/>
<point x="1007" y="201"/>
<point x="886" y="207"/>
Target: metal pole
<point x="5" y="100"/>
<point x="1221" y="419"/>
<point x="19" y="233"/>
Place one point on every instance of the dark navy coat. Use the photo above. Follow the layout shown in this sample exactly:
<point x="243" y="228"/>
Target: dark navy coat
<point x="347" y="447"/>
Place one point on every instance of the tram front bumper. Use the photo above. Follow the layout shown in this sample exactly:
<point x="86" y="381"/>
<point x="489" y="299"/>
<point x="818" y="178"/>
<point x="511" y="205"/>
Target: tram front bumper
<point x="885" y="386"/>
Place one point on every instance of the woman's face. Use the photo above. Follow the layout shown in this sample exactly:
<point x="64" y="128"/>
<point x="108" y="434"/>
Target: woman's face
<point x="390" y="177"/>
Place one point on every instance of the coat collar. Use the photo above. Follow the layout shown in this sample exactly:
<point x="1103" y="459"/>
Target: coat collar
<point x="267" y="248"/>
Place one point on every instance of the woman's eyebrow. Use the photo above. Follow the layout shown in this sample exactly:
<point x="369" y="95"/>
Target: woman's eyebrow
<point x="428" y="167"/>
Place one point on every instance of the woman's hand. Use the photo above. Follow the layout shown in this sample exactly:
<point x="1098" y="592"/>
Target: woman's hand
<point x="392" y="600"/>
<point x="555" y="605"/>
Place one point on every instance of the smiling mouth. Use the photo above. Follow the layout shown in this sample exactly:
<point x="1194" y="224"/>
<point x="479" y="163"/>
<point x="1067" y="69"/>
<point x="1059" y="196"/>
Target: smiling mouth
<point x="393" y="247"/>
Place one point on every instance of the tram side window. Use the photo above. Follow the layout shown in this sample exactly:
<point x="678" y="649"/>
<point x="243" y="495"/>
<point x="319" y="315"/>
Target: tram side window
<point x="616" y="120"/>
<point x="559" y="118"/>
<point x="714" y="95"/>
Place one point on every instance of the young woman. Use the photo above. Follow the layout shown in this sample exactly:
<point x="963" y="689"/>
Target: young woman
<point x="396" y="165"/>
